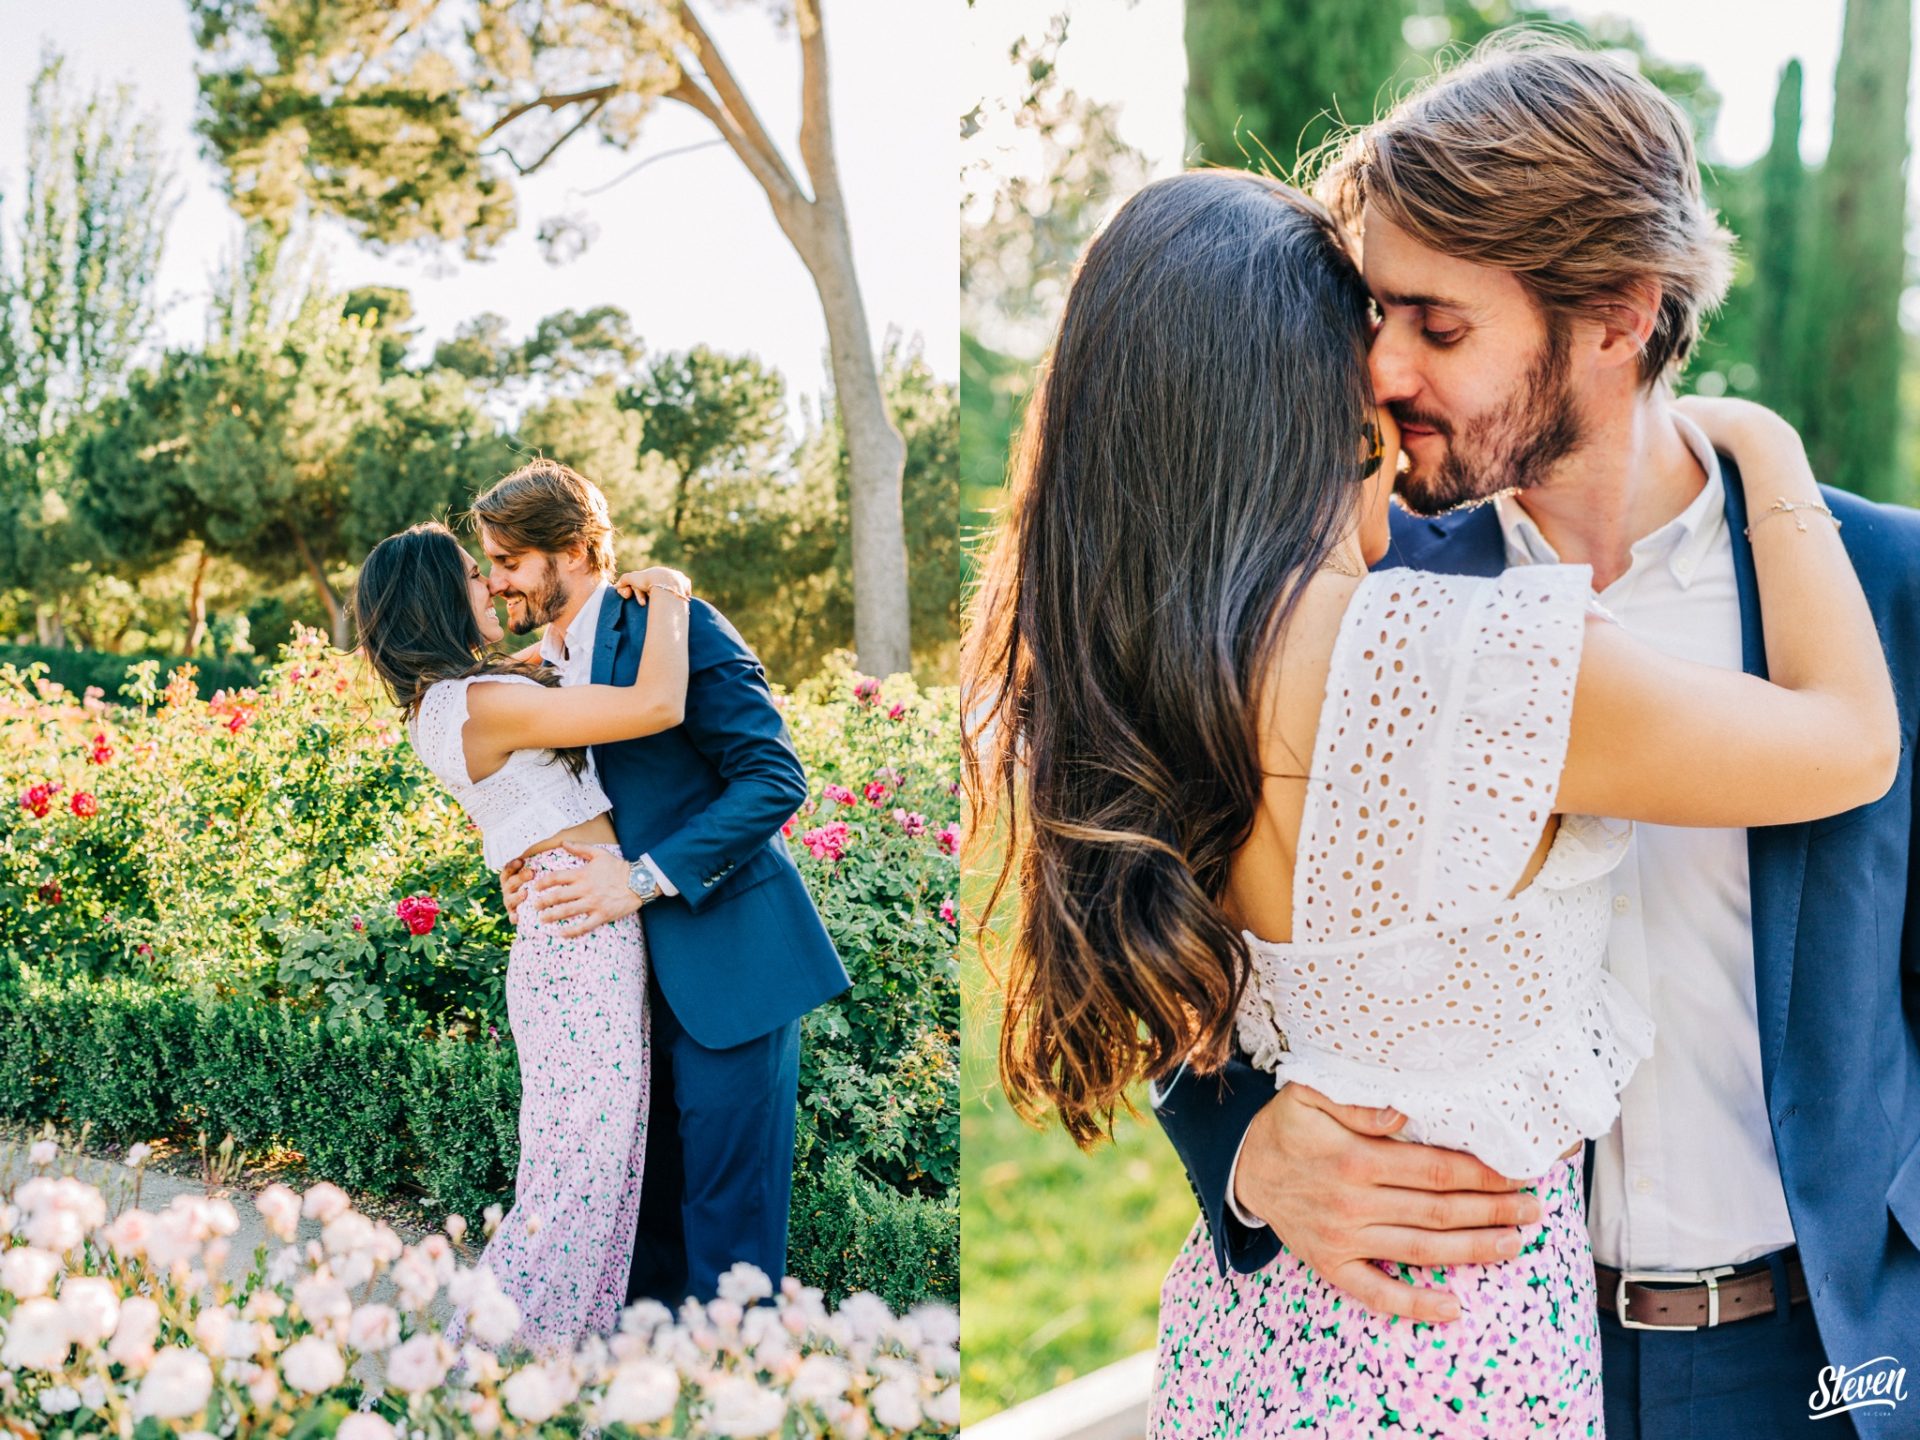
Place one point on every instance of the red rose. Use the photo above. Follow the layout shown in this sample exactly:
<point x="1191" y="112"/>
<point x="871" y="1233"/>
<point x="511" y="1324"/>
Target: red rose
<point x="418" y="912"/>
<point x="50" y="892"/>
<point x="102" y="752"/>
<point x="84" y="805"/>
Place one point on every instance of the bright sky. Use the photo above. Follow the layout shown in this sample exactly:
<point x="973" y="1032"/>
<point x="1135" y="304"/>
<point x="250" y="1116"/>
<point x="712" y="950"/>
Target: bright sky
<point x="687" y="246"/>
<point x="1132" y="54"/>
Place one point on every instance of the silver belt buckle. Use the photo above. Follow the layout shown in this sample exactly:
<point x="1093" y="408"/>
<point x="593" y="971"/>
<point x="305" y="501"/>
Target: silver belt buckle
<point x="1710" y="1278"/>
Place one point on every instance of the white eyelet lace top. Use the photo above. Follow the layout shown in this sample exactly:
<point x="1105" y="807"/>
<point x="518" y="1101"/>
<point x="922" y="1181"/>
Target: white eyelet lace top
<point x="1413" y="980"/>
<point x="530" y="798"/>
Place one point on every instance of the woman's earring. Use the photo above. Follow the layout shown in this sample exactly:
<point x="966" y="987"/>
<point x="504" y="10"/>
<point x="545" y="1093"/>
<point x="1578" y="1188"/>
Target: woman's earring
<point x="1376" y="449"/>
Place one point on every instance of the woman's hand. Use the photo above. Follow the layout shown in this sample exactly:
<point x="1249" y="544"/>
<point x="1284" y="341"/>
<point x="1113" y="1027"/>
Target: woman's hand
<point x="636" y="584"/>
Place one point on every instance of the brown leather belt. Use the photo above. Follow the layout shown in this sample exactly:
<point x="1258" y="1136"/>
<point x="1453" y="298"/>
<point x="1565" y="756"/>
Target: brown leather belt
<point x="1693" y="1299"/>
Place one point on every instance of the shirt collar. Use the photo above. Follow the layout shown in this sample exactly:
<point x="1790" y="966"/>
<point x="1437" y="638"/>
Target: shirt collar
<point x="580" y="632"/>
<point x="1683" y="542"/>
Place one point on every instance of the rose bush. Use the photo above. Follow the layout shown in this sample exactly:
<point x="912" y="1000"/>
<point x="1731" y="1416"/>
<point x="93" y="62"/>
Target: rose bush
<point x="282" y="847"/>
<point x="146" y="1324"/>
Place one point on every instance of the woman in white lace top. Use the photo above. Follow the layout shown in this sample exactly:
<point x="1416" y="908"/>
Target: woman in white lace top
<point x="1347" y="820"/>
<point x="511" y="747"/>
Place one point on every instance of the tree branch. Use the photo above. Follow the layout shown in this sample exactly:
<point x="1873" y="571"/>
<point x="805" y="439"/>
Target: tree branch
<point x="601" y="93"/>
<point x="572" y="130"/>
<point x="733" y="98"/>
<point x="786" y="197"/>
<point x="816" y="113"/>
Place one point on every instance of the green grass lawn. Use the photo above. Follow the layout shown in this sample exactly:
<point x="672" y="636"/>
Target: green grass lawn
<point x="1061" y="1253"/>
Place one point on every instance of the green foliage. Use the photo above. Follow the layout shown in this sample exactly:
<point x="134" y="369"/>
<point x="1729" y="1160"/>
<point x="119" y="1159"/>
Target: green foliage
<point x="1776" y="250"/>
<point x="848" y="1234"/>
<point x="83" y="670"/>
<point x="712" y="417"/>
<point x="218" y="921"/>
<point x="1279" y="76"/>
<point x="74" y="314"/>
<point x="1853" y="278"/>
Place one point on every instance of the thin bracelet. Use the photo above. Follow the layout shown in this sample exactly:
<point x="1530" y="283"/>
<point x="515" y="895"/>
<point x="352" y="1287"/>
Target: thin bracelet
<point x="1787" y="507"/>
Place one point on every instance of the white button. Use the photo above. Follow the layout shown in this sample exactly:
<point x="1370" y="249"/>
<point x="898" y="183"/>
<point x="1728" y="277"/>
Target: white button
<point x="1643" y="1185"/>
<point x="1684" y="565"/>
<point x="1621" y="904"/>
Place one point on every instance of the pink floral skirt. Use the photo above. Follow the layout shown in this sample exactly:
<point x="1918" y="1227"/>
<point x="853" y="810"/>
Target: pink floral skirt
<point x="1281" y="1351"/>
<point x="578" y="1009"/>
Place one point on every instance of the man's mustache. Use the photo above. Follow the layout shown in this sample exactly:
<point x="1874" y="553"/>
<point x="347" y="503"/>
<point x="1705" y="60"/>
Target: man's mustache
<point x="1405" y="415"/>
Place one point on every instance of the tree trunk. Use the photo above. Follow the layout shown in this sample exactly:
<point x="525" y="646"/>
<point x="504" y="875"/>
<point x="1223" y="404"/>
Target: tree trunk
<point x="49" y="627"/>
<point x="876" y="455"/>
<point x="316" y="572"/>
<point x="197" y="606"/>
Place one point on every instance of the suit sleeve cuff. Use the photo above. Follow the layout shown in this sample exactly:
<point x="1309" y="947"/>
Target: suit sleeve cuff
<point x="659" y="876"/>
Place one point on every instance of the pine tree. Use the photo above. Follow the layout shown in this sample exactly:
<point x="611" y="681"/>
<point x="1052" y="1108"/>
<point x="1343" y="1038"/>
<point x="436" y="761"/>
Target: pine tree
<point x="1776" y="252"/>
<point x="1852" y="290"/>
<point x="1272" y="74"/>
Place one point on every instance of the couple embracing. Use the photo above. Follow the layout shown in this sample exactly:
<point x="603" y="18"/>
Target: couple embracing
<point x="629" y="776"/>
<point x="1505" y="892"/>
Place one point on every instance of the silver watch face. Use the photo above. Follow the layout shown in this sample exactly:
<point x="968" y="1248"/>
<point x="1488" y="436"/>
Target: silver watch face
<point x="640" y="880"/>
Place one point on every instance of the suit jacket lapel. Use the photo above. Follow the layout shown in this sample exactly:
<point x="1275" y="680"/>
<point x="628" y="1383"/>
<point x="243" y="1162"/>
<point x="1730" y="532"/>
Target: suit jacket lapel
<point x="1777" y="854"/>
<point x="606" y="637"/>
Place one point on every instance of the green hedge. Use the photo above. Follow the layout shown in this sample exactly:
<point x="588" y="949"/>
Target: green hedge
<point x="77" y="669"/>
<point x="380" y="1110"/>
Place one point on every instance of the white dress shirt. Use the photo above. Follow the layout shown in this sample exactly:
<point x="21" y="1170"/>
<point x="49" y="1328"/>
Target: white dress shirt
<point x="572" y="660"/>
<point x="1687" y="1178"/>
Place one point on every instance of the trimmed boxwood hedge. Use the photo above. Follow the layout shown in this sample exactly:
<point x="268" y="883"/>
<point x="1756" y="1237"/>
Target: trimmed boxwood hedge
<point x="386" y="1112"/>
<point x="77" y="669"/>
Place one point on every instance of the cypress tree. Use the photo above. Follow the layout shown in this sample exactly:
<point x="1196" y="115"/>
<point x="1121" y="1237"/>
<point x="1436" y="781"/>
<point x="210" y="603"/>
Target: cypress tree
<point x="1852" y="361"/>
<point x="1776" y="278"/>
<point x="1265" y="73"/>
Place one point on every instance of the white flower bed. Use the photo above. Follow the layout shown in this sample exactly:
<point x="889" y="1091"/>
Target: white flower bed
<point x="134" y="1326"/>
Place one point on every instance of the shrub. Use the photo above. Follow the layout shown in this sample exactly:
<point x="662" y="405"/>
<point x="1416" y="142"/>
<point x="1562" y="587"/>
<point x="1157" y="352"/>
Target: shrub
<point x="139" y="1325"/>
<point x="81" y="670"/>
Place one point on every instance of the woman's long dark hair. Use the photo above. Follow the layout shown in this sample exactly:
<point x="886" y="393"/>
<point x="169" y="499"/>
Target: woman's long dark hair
<point x="416" y="623"/>
<point x="1189" y="459"/>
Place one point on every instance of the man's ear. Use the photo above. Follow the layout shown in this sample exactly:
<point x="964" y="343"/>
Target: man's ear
<point x="1627" y="320"/>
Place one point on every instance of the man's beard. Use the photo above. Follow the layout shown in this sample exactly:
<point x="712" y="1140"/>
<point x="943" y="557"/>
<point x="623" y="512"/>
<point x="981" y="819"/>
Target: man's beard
<point x="543" y="603"/>
<point x="1512" y="448"/>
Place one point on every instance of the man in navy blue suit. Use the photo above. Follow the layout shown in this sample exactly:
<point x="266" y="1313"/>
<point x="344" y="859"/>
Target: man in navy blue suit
<point x="737" y="953"/>
<point x="1755" y="1211"/>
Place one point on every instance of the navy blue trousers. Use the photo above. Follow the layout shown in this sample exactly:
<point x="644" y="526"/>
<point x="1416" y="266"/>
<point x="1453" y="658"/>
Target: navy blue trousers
<point x="1749" y="1380"/>
<point x="719" y="1178"/>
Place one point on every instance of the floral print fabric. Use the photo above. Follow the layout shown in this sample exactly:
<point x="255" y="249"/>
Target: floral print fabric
<point x="1281" y="1352"/>
<point x="579" y="1018"/>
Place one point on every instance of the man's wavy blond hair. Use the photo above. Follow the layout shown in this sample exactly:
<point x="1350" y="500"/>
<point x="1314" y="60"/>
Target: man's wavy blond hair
<point x="547" y="506"/>
<point x="1556" y="163"/>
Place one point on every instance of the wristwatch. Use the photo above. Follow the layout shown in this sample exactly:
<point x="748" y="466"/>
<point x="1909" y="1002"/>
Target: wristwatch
<point x="642" y="881"/>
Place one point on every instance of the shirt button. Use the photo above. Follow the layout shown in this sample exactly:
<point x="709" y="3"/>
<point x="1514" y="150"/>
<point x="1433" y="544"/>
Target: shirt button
<point x="1643" y="1186"/>
<point x="1621" y="904"/>
<point x="1684" y="565"/>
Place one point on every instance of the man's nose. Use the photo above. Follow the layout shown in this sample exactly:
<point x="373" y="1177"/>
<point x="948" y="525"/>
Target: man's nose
<point x="496" y="583"/>
<point x="1390" y="364"/>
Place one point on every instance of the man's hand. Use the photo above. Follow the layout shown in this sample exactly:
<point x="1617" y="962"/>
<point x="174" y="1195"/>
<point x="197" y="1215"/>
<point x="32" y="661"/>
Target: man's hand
<point x="514" y="881"/>
<point x="1340" y="1195"/>
<point x="588" y="897"/>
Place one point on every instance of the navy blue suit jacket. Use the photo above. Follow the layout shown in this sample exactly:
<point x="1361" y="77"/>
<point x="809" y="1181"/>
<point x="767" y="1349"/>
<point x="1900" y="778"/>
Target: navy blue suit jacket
<point x="1836" y="951"/>
<point x="740" y="951"/>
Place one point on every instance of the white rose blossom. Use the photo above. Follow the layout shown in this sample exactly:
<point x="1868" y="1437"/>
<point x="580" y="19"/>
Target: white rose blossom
<point x="324" y="1202"/>
<point x="641" y="1392"/>
<point x="37" y="1336"/>
<point x="91" y="1306"/>
<point x="177" y="1385"/>
<point x="741" y="1407"/>
<point x="364" y="1425"/>
<point x="419" y="1365"/>
<point x="373" y="1327"/>
<point x="26" y="1272"/>
<point x="312" y="1365"/>
<point x="279" y="1206"/>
